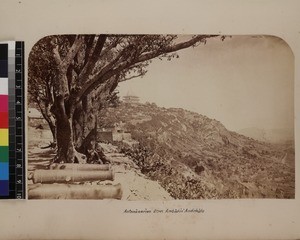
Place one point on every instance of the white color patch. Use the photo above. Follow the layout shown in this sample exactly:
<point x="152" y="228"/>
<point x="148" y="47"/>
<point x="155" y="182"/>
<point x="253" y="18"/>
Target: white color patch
<point x="4" y="86"/>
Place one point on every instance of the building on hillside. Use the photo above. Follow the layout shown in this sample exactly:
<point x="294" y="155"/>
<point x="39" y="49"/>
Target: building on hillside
<point x="118" y="133"/>
<point x="131" y="99"/>
<point x="105" y="136"/>
<point x="35" y="118"/>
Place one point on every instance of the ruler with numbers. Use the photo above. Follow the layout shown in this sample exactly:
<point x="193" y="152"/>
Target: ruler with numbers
<point x="12" y="117"/>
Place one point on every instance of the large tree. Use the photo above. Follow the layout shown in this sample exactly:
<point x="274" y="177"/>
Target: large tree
<point x="71" y="77"/>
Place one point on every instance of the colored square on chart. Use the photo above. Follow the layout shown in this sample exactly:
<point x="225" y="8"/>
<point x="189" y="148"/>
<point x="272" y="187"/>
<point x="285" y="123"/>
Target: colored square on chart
<point x="3" y="86"/>
<point x="3" y="103"/>
<point x="4" y="188"/>
<point x="3" y="137"/>
<point x="3" y="60"/>
<point x="4" y="157"/>
<point x="3" y="68"/>
<point x="3" y="119"/>
<point x="4" y="51"/>
<point x="4" y="171"/>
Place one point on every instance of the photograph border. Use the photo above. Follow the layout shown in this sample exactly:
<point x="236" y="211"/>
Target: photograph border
<point x="220" y="219"/>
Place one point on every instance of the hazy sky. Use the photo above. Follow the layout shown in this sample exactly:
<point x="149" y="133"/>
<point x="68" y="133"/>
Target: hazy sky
<point x="243" y="82"/>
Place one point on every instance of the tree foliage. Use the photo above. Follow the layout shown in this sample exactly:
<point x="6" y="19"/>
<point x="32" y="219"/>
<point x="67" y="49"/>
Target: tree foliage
<point x="65" y="70"/>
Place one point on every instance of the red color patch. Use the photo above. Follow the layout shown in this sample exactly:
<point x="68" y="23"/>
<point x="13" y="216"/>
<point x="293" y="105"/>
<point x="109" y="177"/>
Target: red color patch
<point x="3" y="119"/>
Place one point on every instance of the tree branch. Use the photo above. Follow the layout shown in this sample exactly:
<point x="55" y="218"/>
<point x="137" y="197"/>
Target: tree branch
<point x="174" y="48"/>
<point x="107" y="72"/>
<point x="93" y="58"/>
<point x="56" y="55"/>
<point x="89" y="46"/>
<point x="132" y="77"/>
<point x="73" y="51"/>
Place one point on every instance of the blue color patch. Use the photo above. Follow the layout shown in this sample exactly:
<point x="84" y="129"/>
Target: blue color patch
<point x="4" y="170"/>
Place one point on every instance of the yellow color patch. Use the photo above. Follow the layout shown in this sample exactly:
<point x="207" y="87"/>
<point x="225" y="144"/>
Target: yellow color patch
<point x="3" y="137"/>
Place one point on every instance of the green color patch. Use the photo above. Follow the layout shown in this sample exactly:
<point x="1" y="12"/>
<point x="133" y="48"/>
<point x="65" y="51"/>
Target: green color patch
<point x="3" y="154"/>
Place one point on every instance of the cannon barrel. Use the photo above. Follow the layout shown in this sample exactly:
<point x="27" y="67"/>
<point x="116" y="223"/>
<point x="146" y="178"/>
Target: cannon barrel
<point x="80" y="167"/>
<point x="69" y="191"/>
<point x="70" y="176"/>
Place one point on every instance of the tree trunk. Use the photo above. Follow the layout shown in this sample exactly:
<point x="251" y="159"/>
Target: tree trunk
<point x="53" y="131"/>
<point x="46" y="113"/>
<point x="86" y="116"/>
<point x="64" y="135"/>
<point x="63" y="106"/>
<point x="66" y="152"/>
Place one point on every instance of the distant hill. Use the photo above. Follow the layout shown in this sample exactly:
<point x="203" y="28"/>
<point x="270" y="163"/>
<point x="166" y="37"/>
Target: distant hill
<point x="193" y="156"/>
<point x="269" y="135"/>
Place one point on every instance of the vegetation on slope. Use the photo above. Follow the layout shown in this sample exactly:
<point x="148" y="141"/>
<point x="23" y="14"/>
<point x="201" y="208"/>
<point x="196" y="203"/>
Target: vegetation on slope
<point x="195" y="157"/>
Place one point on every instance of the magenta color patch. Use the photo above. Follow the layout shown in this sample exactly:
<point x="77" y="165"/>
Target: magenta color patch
<point x="3" y="103"/>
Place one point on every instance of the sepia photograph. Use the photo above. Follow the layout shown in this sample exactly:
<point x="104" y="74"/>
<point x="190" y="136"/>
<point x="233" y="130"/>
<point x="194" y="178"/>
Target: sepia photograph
<point x="161" y="117"/>
<point x="177" y="120"/>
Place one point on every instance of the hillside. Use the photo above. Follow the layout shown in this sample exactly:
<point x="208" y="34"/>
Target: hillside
<point x="269" y="135"/>
<point x="195" y="157"/>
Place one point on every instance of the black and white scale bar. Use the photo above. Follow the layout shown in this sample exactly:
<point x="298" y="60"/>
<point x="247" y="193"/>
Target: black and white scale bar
<point x="16" y="97"/>
<point x="19" y="124"/>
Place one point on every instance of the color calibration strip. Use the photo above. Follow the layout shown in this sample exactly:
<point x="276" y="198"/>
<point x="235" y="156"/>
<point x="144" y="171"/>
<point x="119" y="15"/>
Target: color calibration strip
<point x="12" y="155"/>
<point x="4" y="160"/>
